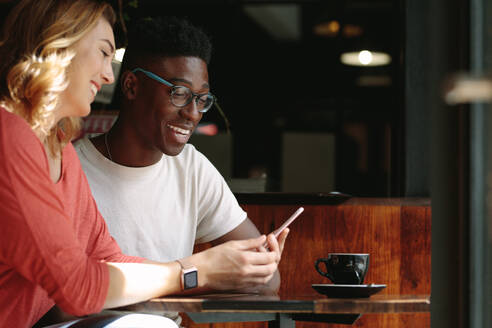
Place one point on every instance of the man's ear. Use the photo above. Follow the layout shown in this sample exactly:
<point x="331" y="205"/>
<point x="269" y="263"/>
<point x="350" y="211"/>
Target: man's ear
<point x="129" y="85"/>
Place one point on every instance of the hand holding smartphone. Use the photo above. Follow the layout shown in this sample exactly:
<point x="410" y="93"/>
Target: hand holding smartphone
<point x="286" y="223"/>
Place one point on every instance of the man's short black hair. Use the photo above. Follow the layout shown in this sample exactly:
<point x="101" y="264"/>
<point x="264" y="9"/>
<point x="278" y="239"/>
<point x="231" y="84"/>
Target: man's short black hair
<point x="165" y="37"/>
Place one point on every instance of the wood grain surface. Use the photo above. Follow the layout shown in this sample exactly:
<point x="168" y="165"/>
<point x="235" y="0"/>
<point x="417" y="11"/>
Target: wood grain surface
<point x="395" y="232"/>
<point x="375" y="304"/>
<point x="310" y="304"/>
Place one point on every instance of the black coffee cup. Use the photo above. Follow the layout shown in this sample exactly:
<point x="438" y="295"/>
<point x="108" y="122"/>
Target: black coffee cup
<point x="344" y="268"/>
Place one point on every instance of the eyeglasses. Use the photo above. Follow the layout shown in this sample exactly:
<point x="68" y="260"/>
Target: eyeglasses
<point x="181" y="96"/>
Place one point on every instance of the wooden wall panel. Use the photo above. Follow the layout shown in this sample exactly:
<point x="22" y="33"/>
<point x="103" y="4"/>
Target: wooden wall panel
<point x="396" y="234"/>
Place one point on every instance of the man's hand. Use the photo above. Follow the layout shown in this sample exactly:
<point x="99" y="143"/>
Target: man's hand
<point x="237" y="264"/>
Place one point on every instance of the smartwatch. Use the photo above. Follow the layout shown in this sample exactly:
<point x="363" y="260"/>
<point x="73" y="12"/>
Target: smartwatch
<point x="189" y="276"/>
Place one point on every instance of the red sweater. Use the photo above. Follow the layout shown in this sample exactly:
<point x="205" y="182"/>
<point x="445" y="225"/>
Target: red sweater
<point x="52" y="238"/>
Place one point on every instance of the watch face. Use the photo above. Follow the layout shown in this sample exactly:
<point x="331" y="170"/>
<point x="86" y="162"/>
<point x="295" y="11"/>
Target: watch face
<point x="191" y="279"/>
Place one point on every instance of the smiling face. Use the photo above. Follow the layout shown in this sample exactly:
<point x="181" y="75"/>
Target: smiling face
<point x="157" y="123"/>
<point x="89" y="70"/>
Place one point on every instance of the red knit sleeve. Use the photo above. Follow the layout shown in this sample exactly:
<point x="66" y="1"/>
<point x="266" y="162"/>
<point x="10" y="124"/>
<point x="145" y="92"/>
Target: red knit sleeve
<point x="37" y="239"/>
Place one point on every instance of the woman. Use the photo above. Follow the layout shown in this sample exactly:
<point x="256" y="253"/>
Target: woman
<point x="54" y="246"/>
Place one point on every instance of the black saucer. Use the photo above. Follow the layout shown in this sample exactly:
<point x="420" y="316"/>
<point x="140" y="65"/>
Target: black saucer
<point x="348" y="291"/>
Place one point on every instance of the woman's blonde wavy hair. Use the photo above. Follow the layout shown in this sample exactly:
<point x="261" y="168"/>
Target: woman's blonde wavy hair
<point x="36" y="47"/>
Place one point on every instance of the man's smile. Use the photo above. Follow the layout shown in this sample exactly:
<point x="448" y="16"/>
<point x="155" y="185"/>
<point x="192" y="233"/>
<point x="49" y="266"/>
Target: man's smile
<point x="179" y="130"/>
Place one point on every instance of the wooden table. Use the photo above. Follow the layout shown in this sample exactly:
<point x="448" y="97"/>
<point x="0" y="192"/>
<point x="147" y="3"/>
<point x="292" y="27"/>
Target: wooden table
<point x="281" y="311"/>
<point x="395" y="231"/>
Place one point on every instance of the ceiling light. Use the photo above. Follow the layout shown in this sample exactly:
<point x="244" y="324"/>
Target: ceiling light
<point x="330" y="28"/>
<point x="365" y="58"/>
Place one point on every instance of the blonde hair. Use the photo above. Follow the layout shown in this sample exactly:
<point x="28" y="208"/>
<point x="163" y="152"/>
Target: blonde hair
<point x="35" y="51"/>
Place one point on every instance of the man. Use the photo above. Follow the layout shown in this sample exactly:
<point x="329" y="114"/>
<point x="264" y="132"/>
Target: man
<point x="158" y="194"/>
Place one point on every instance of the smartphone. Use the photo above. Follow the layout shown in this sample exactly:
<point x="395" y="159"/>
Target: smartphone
<point x="284" y="225"/>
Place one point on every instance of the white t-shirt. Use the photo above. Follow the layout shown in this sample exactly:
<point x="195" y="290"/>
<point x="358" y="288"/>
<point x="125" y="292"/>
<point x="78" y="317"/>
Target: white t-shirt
<point x="160" y="211"/>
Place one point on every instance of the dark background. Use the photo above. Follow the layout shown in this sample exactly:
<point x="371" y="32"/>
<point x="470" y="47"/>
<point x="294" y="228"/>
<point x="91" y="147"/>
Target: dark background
<point x="269" y="85"/>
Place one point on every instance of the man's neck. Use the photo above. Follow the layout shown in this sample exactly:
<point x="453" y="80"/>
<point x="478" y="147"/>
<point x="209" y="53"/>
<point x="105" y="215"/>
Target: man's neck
<point x="123" y="147"/>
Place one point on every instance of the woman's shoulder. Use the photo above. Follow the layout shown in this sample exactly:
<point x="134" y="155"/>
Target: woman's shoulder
<point x="16" y="132"/>
<point x="12" y="121"/>
<point x="20" y="148"/>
